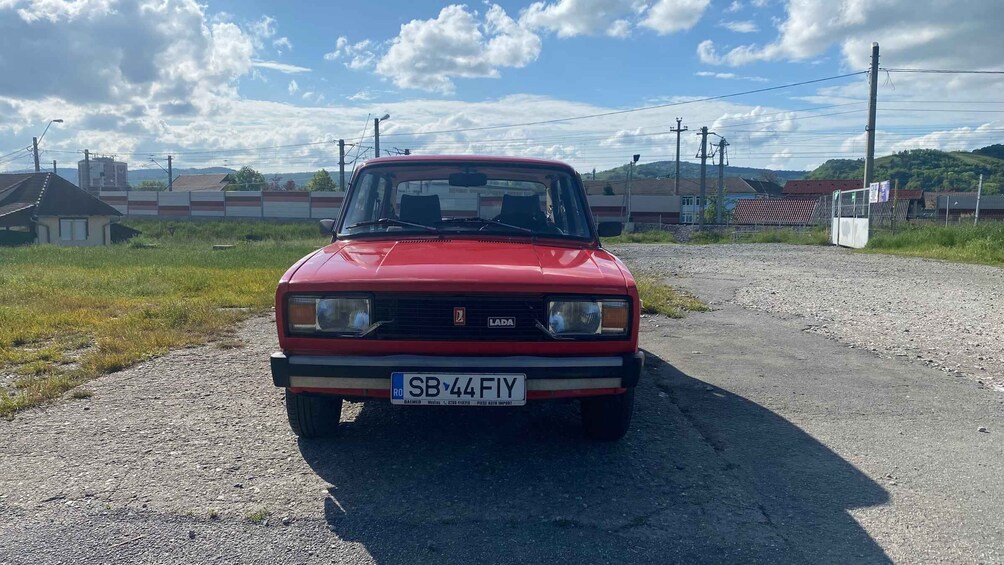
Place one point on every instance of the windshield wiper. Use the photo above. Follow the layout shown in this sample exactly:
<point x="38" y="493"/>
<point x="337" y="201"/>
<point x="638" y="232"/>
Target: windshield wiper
<point x="486" y="223"/>
<point x="391" y="222"/>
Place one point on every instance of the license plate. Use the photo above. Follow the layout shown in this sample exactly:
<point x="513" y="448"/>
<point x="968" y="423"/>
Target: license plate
<point x="451" y="389"/>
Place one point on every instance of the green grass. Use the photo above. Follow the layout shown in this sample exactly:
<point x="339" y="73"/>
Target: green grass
<point x="258" y="516"/>
<point x="653" y="236"/>
<point x="68" y="315"/>
<point x="222" y="231"/>
<point x="709" y="236"/>
<point x="660" y="298"/>
<point x="819" y="236"/>
<point x="970" y="244"/>
<point x="815" y="237"/>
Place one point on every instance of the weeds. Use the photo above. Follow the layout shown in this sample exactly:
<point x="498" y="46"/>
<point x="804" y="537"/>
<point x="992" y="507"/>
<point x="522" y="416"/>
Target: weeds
<point x="659" y="298"/>
<point x="654" y="236"/>
<point x="982" y="243"/>
<point x="258" y="516"/>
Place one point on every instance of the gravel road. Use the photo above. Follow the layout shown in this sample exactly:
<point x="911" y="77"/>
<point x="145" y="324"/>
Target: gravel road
<point x="949" y="316"/>
<point x="760" y="436"/>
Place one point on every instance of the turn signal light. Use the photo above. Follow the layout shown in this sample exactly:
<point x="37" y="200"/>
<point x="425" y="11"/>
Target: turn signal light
<point x="302" y="313"/>
<point x="615" y="316"/>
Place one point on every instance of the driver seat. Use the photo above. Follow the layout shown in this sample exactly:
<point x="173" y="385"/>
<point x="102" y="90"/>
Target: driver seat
<point x="522" y="211"/>
<point x="424" y="210"/>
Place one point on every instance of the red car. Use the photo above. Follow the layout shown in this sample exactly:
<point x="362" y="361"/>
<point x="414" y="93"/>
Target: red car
<point x="460" y="281"/>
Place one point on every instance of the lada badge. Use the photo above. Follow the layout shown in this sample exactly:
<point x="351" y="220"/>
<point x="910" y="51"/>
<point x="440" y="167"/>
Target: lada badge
<point x="498" y="322"/>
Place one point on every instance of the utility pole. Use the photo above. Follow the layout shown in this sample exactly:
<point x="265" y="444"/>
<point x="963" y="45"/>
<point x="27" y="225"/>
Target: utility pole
<point x="704" y="176"/>
<point x="634" y="159"/>
<point x="376" y="137"/>
<point x="170" y="174"/>
<point x="678" y="130"/>
<point x="722" y="144"/>
<point x="87" y="171"/>
<point x="34" y="148"/>
<point x="979" y="193"/>
<point x="872" y="101"/>
<point x="54" y="171"/>
<point x="341" y="164"/>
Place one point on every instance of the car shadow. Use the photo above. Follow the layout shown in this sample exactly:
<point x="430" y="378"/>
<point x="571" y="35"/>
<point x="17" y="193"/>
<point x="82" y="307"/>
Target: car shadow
<point x="703" y="476"/>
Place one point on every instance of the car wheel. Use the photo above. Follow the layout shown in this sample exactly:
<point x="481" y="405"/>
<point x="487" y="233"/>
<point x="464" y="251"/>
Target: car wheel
<point x="312" y="416"/>
<point x="607" y="418"/>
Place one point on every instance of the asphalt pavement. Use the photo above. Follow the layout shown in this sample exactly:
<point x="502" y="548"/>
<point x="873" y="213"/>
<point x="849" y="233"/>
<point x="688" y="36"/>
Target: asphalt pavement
<point x="754" y="441"/>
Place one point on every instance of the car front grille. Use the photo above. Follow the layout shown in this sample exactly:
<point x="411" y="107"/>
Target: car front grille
<point x="425" y="317"/>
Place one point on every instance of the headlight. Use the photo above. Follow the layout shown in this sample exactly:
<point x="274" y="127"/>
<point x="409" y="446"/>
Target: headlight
<point x="314" y="314"/>
<point x="585" y="317"/>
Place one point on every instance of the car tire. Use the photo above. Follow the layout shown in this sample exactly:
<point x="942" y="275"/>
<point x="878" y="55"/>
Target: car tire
<point x="313" y="416"/>
<point x="607" y="418"/>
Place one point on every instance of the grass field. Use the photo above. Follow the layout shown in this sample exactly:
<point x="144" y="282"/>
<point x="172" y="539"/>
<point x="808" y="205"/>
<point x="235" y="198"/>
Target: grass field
<point x="814" y="237"/>
<point x="68" y="315"/>
<point x="653" y="236"/>
<point x="971" y="244"/>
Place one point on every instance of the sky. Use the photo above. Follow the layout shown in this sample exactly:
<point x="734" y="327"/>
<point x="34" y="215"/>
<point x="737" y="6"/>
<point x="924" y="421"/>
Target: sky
<point x="274" y="85"/>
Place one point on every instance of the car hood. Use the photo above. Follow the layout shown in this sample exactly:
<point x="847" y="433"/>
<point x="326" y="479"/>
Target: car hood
<point x="460" y="265"/>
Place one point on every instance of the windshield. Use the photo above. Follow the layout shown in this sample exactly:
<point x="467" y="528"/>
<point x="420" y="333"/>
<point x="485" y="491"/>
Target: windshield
<point x="466" y="198"/>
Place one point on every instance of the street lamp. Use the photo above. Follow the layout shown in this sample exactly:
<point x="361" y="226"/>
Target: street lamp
<point x="376" y="133"/>
<point x="35" y="140"/>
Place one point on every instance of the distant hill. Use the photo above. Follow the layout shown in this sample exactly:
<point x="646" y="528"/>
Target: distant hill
<point x="667" y="169"/>
<point x="927" y="169"/>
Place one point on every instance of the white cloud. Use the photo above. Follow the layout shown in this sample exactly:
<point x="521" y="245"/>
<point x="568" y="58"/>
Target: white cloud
<point x="734" y="7"/>
<point x="911" y="32"/>
<point x="361" y="96"/>
<point x="744" y="26"/>
<point x="729" y="76"/>
<point x="311" y="96"/>
<point x="620" y="28"/>
<point x="668" y="16"/>
<point x="760" y="3"/>
<point x="293" y="87"/>
<point x="428" y="54"/>
<point x="357" y="56"/>
<point x="136" y="52"/>
<point x="569" y="18"/>
<point x="283" y="43"/>
<point x="281" y="67"/>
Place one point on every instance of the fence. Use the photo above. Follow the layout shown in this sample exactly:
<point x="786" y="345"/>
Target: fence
<point x="317" y="205"/>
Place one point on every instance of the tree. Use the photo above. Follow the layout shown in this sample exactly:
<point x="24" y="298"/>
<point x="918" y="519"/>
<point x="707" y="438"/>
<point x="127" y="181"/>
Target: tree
<point x="711" y="212"/>
<point x="151" y="185"/>
<point x="322" y="181"/>
<point x="247" y="179"/>
<point x="608" y="190"/>
<point x="290" y="186"/>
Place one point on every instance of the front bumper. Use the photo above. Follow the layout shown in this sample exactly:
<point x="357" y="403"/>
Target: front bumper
<point x="369" y="376"/>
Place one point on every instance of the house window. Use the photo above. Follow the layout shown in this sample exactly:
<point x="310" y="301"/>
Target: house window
<point x="73" y="229"/>
<point x="686" y="218"/>
<point x="688" y="200"/>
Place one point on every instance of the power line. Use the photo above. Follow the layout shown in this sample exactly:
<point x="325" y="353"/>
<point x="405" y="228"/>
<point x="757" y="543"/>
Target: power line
<point x="639" y="109"/>
<point x="944" y="71"/>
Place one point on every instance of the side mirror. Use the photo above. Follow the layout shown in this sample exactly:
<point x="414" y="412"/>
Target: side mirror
<point x="327" y="226"/>
<point x="609" y="229"/>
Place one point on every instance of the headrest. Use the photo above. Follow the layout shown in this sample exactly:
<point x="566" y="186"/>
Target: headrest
<point x="513" y="205"/>
<point x="423" y="210"/>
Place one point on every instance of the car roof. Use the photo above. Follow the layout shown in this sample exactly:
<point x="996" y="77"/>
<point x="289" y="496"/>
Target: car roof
<point x="466" y="159"/>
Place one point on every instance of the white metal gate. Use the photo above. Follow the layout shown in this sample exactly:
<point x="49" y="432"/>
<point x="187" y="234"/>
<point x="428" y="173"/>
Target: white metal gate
<point x="851" y="212"/>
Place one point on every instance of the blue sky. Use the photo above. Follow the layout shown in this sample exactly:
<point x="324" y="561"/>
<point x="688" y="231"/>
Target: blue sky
<point x="273" y="84"/>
